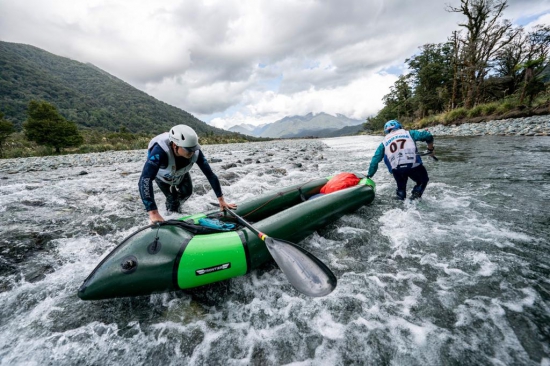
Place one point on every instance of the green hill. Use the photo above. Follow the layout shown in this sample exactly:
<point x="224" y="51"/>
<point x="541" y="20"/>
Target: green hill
<point x="82" y="93"/>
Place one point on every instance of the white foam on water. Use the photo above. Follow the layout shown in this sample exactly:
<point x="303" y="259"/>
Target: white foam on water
<point x="419" y="333"/>
<point x="502" y="341"/>
<point x="317" y="241"/>
<point x="417" y="282"/>
<point x="351" y="231"/>
<point x="487" y="268"/>
<point x="432" y="260"/>
<point x="327" y="327"/>
<point x="403" y="227"/>
<point x="475" y="228"/>
<point x="528" y="301"/>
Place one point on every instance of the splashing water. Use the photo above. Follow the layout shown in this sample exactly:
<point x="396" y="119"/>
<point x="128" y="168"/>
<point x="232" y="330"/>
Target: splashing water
<point x="460" y="277"/>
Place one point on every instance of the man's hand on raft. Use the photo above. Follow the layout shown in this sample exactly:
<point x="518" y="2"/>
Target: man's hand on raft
<point x="154" y="216"/>
<point x="224" y="204"/>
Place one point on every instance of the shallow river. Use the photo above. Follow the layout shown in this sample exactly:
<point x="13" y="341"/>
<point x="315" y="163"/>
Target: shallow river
<point x="461" y="277"/>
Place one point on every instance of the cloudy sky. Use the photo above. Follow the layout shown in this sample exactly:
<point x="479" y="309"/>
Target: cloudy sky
<point x="247" y="61"/>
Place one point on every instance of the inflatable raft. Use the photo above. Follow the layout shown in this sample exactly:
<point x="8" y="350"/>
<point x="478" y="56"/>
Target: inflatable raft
<point x="181" y="254"/>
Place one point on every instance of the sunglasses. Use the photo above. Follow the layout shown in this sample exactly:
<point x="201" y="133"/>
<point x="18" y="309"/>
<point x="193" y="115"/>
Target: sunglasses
<point x="187" y="149"/>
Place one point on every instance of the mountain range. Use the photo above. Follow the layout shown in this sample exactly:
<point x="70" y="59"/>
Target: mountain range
<point x="82" y="93"/>
<point x="310" y="125"/>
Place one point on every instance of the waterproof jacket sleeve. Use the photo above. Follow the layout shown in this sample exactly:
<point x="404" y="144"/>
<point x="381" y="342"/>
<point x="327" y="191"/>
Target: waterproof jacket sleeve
<point x="376" y="159"/>
<point x="422" y="136"/>
<point x="156" y="158"/>
<point x="209" y="174"/>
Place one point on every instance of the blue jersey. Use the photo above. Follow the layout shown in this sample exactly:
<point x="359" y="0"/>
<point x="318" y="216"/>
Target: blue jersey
<point x="157" y="158"/>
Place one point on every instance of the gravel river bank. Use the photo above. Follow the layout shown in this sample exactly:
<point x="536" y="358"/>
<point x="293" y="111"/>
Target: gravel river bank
<point x="528" y="126"/>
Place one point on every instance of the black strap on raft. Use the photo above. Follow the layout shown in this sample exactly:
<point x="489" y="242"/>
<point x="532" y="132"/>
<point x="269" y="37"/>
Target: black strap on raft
<point x="194" y="229"/>
<point x="302" y="197"/>
<point x="155" y="246"/>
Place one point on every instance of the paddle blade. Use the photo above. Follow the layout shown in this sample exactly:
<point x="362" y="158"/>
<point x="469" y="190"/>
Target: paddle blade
<point x="304" y="271"/>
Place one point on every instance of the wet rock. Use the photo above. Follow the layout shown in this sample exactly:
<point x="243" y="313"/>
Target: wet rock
<point x="276" y="171"/>
<point x="230" y="177"/>
<point x="100" y="329"/>
<point x="228" y="166"/>
<point x="83" y="172"/>
<point x="215" y="160"/>
<point x="38" y="273"/>
<point x="5" y="285"/>
<point x="94" y="191"/>
<point x="33" y="203"/>
<point x="16" y="246"/>
<point x="201" y="189"/>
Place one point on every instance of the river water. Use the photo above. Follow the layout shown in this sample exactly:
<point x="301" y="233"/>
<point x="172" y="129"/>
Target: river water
<point x="461" y="277"/>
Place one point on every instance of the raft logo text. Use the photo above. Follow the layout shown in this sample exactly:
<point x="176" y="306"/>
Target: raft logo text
<point x="220" y="267"/>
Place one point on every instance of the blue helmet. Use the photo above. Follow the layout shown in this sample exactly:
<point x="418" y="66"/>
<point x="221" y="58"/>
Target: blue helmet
<point x="392" y="125"/>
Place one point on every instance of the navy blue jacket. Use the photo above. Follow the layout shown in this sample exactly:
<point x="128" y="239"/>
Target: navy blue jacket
<point x="158" y="158"/>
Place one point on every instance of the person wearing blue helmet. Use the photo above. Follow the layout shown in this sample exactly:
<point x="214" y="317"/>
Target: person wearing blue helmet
<point x="399" y="152"/>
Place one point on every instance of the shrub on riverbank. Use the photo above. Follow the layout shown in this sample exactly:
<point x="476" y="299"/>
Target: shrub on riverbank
<point x="17" y="146"/>
<point x="508" y="108"/>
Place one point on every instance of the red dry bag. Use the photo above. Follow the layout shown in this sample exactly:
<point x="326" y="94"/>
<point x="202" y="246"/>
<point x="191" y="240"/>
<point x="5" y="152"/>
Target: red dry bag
<point x="340" y="181"/>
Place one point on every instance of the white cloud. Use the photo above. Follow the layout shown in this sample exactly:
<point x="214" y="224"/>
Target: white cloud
<point x="358" y="99"/>
<point x="245" y="60"/>
<point x="543" y="19"/>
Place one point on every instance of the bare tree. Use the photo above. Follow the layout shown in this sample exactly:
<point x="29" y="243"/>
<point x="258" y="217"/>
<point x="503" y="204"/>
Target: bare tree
<point x="535" y="62"/>
<point x="455" y="42"/>
<point x="486" y="34"/>
<point x="508" y="60"/>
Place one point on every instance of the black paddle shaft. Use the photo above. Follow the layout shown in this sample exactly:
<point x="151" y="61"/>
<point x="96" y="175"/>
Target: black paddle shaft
<point x="430" y="153"/>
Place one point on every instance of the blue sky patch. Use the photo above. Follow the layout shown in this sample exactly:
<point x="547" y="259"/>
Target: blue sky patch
<point x="529" y="19"/>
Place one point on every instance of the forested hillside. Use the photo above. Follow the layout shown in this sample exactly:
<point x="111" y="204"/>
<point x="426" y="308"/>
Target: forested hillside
<point x="82" y="93"/>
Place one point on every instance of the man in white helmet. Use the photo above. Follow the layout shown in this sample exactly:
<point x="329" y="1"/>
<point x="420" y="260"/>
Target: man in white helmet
<point x="171" y="155"/>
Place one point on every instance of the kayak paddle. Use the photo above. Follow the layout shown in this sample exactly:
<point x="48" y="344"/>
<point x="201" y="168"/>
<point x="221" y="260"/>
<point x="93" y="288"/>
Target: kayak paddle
<point x="430" y="153"/>
<point x="303" y="270"/>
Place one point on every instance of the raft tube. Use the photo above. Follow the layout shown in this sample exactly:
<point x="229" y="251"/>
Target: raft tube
<point x="180" y="254"/>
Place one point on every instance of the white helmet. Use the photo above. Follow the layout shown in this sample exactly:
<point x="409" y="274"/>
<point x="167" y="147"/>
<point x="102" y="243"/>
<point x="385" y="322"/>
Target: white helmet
<point x="184" y="136"/>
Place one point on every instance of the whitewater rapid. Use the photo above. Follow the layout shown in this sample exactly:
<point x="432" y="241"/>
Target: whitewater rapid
<point x="460" y="277"/>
